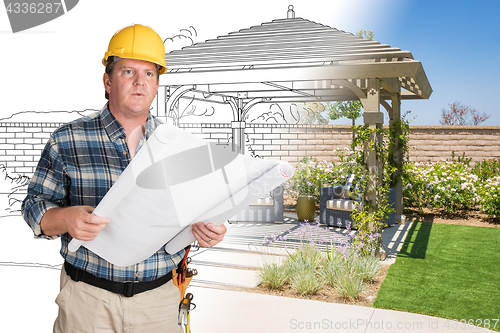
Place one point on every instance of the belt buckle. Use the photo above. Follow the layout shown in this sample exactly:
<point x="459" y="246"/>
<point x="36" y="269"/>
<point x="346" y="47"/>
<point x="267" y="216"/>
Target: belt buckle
<point x="128" y="289"/>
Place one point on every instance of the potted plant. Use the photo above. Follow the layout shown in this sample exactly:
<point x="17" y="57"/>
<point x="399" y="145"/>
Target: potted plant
<point x="305" y="183"/>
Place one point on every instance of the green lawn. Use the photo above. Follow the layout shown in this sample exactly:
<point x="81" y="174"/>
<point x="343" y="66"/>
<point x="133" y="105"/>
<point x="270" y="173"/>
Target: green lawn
<point x="449" y="271"/>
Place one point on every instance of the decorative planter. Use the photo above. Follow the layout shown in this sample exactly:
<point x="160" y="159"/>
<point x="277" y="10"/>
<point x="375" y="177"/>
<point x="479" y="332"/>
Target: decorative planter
<point x="306" y="208"/>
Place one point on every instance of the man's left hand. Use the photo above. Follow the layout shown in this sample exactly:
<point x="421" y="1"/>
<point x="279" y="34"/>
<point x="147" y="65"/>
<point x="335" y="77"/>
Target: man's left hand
<point x="208" y="235"/>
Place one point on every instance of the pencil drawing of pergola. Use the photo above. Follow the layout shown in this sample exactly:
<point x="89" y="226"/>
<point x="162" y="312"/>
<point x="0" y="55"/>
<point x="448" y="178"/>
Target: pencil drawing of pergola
<point x="294" y="60"/>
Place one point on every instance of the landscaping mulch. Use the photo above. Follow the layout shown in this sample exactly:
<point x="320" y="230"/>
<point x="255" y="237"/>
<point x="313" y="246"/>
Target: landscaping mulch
<point x="324" y="295"/>
<point x="472" y="218"/>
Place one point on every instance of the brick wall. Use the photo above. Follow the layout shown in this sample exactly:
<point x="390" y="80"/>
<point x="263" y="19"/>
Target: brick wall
<point x="292" y="142"/>
<point x="437" y="142"/>
<point x="21" y="143"/>
<point x="286" y="142"/>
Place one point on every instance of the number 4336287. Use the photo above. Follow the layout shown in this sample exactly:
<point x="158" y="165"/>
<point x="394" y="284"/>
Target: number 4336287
<point x="463" y="323"/>
<point x="33" y="8"/>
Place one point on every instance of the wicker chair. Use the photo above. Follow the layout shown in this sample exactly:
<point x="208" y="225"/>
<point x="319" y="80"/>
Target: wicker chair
<point x="336" y="207"/>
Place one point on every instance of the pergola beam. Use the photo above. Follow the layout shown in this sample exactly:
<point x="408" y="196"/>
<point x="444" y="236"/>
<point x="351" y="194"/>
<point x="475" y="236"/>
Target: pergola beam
<point x="310" y="73"/>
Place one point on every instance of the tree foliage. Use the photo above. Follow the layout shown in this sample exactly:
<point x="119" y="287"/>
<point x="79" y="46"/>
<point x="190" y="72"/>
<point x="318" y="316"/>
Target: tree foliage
<point x="459" y="114"/>
<point x="292" y="113"/>
<point x="366" y="35"/>
<point x="348" y="109"/>
<point x="310" y="113"/>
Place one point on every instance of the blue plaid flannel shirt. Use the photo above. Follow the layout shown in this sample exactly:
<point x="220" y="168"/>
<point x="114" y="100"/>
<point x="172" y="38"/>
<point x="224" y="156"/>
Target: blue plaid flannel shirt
<point x="78" y="166"/>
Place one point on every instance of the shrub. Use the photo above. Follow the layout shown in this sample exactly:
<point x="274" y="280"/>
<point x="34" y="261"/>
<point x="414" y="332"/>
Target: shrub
<point x="350" y="273"/>
<point x="272" y="275"/>
<point x="454" y="187"/>
<point x="310" y="174"/>
<point x="490" y="197"/>
<point x="350" y="263"/>
<point x="309" y="270"/>
<point x="367" y="268"/>
<point x="307" y="282"/>
<point x="307" y="257"/>
<point x="487" y="168"/>
<point x="350" y="285"/>
<point x="447" y="185"/>
<point x="333" y="269"/>
<point x="417" y="189"/>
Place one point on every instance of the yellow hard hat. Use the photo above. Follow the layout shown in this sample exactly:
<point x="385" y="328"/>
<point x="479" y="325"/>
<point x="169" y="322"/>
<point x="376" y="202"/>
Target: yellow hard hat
<point x="137" y="42"/>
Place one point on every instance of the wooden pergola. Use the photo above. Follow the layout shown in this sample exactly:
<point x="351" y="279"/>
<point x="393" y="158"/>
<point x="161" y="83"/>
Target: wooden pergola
<point x="294" y="60"/>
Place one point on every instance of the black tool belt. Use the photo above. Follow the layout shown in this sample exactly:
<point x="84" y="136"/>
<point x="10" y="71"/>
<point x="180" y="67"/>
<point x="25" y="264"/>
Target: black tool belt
<point x="127" y="289"/>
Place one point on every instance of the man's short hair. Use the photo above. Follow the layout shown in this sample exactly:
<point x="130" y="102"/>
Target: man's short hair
<point x="110" y="67"/>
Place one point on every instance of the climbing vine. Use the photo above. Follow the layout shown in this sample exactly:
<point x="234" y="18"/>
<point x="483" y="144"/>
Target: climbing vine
<point x="384" y="143"/>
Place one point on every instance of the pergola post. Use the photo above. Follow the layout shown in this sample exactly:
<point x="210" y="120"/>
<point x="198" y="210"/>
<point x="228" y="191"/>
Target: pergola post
<point x="393" y="86"/>
<point x="238" y="132"/>
<point x="161" y="103"/>
<point x="238" y="125"/>
<point x="395" y="115"/>
<point x="374" y="119"/>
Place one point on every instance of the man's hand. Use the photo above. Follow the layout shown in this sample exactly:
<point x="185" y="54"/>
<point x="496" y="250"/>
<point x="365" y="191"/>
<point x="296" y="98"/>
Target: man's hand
<point x="82" y="224"/>
<point x="78" y="221"/>
<point x="208" y="235"/>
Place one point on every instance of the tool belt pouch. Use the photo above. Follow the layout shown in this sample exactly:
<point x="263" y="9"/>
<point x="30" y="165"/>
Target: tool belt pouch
<point x="181" y="276"/>
<point x="181" y="285"/>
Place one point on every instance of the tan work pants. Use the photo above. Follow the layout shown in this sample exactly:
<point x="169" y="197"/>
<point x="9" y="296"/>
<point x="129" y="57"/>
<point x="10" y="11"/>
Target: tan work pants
<point x="85" y="308"/>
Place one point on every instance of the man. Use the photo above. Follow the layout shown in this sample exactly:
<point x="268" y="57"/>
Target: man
<point x="79" y="164"/>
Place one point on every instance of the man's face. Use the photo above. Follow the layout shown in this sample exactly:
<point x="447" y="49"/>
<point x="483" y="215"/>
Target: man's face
<point x="131" y="87"/>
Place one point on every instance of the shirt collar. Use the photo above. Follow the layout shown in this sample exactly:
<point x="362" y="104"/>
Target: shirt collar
<point x="110" y="124"/>
<point x="115" y="130"/>
<point x="150" y="126"/>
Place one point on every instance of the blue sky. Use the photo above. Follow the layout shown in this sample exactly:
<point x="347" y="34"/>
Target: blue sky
<point x="458" y="43"/>
<point x="56" y="66"/>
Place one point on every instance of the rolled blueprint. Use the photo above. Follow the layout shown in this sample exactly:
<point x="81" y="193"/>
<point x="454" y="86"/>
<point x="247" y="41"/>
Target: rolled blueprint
<point x="177" y="179"/>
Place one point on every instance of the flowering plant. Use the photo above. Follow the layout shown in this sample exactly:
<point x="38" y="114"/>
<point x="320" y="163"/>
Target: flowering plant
<point x="417" y="190"/>
<point x="310" y="175"/>
<point x="454" y="186"/>
<point x="447" y="185"/>
<point x="486" y="169"/>
<point x="490" y="197"/>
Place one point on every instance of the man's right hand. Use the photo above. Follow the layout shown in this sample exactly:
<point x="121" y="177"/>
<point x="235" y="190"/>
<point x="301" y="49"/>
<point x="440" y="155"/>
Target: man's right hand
<point x="78" y="221"/>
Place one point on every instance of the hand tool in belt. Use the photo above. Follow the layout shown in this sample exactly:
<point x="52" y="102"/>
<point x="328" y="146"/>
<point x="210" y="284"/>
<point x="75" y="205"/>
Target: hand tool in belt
<point x="182" y="275"/>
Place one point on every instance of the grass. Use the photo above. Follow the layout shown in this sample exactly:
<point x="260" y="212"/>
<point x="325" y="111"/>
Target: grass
<point x="449" y="271"/>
